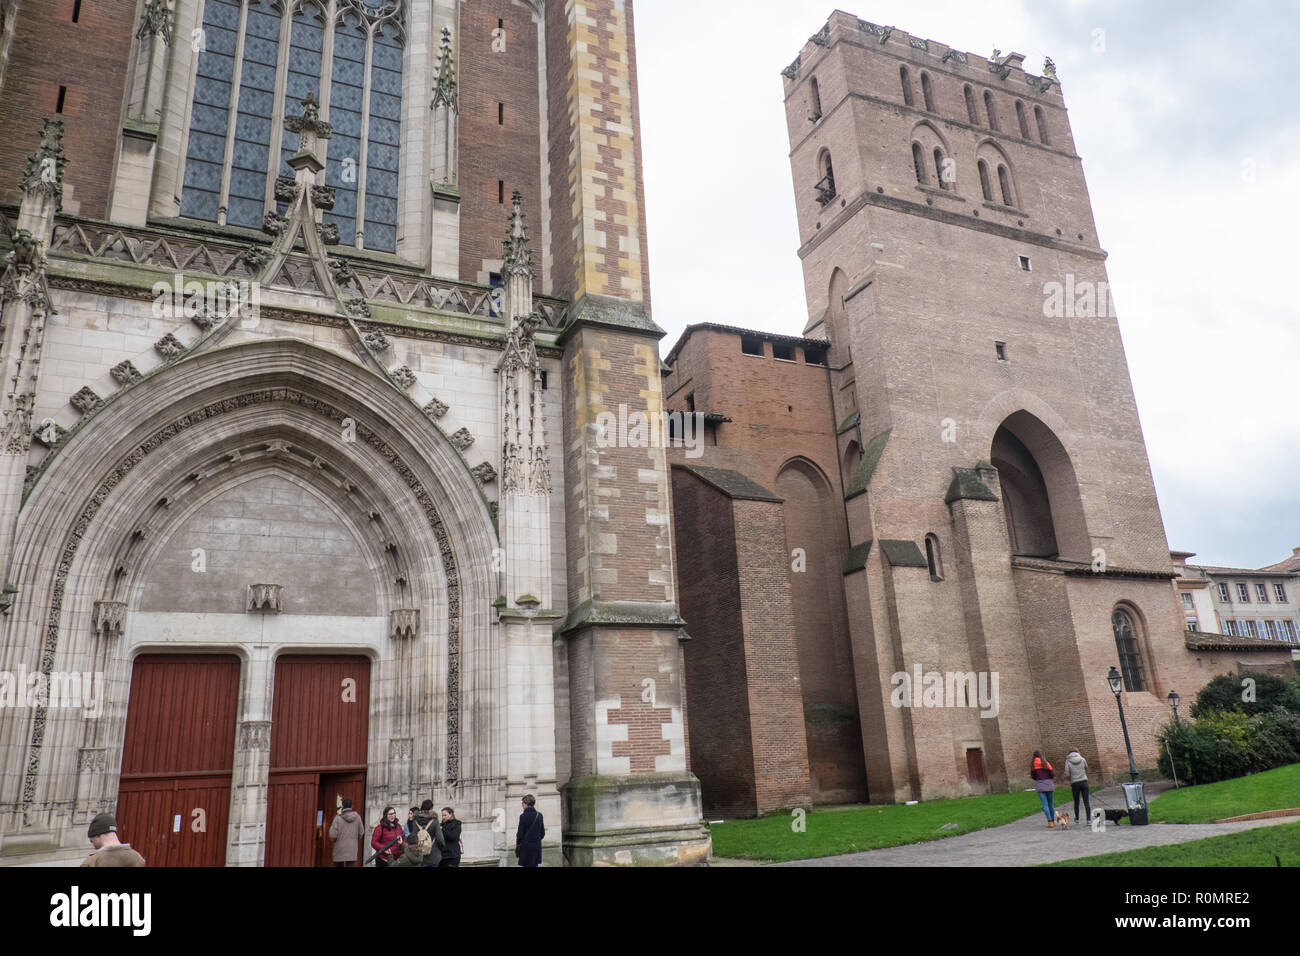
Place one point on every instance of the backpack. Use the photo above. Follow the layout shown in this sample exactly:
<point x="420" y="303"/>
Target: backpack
<point x="424" y="841"/>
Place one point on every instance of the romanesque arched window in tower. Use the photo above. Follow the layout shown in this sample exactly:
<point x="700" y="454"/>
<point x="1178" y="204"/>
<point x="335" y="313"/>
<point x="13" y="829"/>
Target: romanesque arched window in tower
<point x="905" y="78"/>
<point x="933" y="558"/>
<point x="927" y="91"/>
<point x="918" y="163"/>
<point x="972" y="112"/>
<point x="1022" y="119"/>
<point x="815" y="95"/>
<point x="988" y="108"/>
<point x="825" y="187"/>
<point x="1124" y="623"/>
<point x="1004" y="182"/>
<point x="1042" y="126"/>
<point x="985" y="185"/>
<point x="258" y="60"/>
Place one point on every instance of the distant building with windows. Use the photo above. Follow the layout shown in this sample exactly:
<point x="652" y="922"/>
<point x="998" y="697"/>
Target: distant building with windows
<point x="1261" y="603"/>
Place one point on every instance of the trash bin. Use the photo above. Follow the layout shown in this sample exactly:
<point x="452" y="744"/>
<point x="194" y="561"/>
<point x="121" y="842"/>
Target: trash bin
<point x="1135" y="799"/>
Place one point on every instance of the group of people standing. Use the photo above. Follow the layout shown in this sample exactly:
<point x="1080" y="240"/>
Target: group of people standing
<point x="1044" y="777"/>
<point x="425" y="840"/>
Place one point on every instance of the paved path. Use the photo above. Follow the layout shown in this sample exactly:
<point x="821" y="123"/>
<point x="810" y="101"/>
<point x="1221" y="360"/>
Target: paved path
<point x="1028" y="841"/>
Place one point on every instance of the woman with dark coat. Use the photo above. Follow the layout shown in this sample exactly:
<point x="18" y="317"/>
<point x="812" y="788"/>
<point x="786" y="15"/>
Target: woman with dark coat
<point x="425" y="819"/>
<point x="1042" y="775"/>
<point x="389" y="829"/>
<point x="528" y="839"/>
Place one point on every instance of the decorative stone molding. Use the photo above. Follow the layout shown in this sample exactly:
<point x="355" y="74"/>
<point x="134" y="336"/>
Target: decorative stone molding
<point x="273" y="223"/>
<point x="329" y="233"/>
<point x="404" y="377"/>
<point x="404" y="623"/>
<point x="85" y="400"/>
<point x="436" y="409"/>
<point x="253" y="735"/>
<point x="954" y="55"/>
<point x="791" y="72"/>
<point x="322" y="197"/>
<point x="49" y="433"/>
<point x="169" y="347"/>
<point x="462" y="439"/>
<point x="255" y="257"/>
<point x="266" y="597"/>
<point x="92" y="758"/>
<point x="286" y="190"/>
<point x="124" y="373"/>
<point x="485" y="473"/>
<point x="109" y="618"/>
<point x="357" y="308"/>
<point x="341" y="270"/>
<point x="156" y="21"/>
<point x="823" y="36"/>
<point x="206" y="319"/>
<point x="376" y="340"/>
<point x="26" y="251"/>
<point x="400" y="748"/>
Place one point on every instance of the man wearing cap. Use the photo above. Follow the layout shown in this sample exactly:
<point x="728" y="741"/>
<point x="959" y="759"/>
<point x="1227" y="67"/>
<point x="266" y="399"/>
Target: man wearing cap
<point x="109" y="851"/>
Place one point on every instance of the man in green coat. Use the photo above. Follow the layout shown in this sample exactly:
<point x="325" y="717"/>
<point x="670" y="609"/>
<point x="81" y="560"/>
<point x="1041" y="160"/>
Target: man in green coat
<point x="411" y="856"/>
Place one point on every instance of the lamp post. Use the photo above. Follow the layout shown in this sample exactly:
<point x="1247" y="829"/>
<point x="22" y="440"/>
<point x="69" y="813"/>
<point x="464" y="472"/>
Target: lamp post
<point x="1134" y="796"/>
<point x="1173" y="699"/>
<point x="1117" y="688"/>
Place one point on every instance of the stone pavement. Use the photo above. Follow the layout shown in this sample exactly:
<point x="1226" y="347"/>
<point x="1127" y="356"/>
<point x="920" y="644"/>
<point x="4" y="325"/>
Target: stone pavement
<point x="1027" y="842"/>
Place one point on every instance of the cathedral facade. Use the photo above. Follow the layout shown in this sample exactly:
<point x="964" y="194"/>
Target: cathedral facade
<point x="309" y="311"/>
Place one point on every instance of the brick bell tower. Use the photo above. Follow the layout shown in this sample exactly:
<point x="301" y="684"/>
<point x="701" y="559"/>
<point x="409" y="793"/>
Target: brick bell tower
<point x="991" y="452"/>
<point x="629" y="799"/>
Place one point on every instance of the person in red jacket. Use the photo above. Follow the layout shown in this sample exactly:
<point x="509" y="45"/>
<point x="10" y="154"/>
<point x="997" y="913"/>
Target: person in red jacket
<point x="389" y="829"/>
<point x="1043" y="776"/>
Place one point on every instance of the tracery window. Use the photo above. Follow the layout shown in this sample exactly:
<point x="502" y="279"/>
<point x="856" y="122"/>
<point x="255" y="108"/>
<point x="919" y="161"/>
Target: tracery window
<point x="258" y="59"/>
<point x="1126" y="643"/>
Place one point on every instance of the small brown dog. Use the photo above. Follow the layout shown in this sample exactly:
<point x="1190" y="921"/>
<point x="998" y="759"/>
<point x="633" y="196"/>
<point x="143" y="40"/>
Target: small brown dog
<point x="1062" y="819"/>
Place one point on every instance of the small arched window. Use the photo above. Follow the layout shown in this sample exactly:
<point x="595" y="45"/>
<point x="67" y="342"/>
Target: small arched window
<point x="933" y="559"/>
<point x="939" y="177"/>
<point x="814" y="92"/>
<point x="1004" y="181"/>
<point x="1126" y="644"/>
<point x="918" y="162"/>
<point x="905" y="78"/>
<point x="1042" y="126"/>
<point x="985" y="185"/>
<point x="988" y="108"/>
<point x="927" y="91"/>
<point x="825" y="187"/>
<point x="971" y="111"/>
<point x="1022" y="119"/>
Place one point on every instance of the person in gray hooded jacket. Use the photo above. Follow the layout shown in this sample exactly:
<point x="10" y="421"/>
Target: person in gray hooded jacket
<point x="1076" y="771"/>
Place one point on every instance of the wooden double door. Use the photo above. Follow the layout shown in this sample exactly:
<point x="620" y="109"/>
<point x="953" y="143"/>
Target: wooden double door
<point x="178" y="757"/>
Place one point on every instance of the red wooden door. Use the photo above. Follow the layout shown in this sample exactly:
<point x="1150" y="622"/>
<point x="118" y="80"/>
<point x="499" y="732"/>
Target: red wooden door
<point x="319" y="729"/>
<point x="975" y="769"/>
<point x="173" y="800"/>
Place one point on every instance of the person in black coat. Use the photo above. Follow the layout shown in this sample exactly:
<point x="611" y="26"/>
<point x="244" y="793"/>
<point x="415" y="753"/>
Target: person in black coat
<point x="528" y="840"/>
<point x="450" y="833"/>
<point x="425" y="819"/>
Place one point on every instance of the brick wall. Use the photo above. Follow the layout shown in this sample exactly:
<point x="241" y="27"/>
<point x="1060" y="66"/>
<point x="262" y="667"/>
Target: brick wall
<point x="492" y="151"/>
<point x="88" y="57"/>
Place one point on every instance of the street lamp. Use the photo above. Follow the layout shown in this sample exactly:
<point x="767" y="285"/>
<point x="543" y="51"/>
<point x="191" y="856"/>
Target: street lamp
<point x="1173" y="699"/>
<point x="1133" y="794"/>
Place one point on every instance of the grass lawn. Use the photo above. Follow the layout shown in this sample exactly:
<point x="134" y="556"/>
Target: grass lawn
<point x="1257" y="847"/>
<point x="831" y="832"/>
<point x="1271" y="790"/>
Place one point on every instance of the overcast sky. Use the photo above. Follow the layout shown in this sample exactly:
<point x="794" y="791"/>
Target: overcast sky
<point x="1185" y="114"/>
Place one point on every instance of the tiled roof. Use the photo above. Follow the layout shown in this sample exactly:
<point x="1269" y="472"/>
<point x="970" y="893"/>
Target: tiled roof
<point x="1202" y="641"/>
<point x="1239" y="572"/>
<point x="731" y="483"/>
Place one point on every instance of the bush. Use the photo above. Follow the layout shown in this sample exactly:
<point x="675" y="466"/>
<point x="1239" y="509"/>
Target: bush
<point x="1229" y="743"/>
<point x="1224" y="693"/>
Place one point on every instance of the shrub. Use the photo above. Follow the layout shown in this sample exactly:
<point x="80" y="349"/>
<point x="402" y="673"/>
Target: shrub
<point x="1225" y="744"/>
<point x="1224" y="693"/>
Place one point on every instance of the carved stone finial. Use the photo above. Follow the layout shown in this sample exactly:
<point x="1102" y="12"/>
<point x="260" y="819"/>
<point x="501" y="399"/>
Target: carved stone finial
<point x="518" y="259"/>
<point x="404" y="377"/>
<point x="436" y="409"/>
<point x="485" y="473"/>
<point x="44" y="170"/>
<point x="169" y="347"/>
<point x="1049" y="67"/>
<point x="309" y="121"/>
<point x="462" y="439"/>
<point x="996" y="55"/>
<point x="376" y="340"/>
<point x="444" y="89"/>
<point x="156" y="21"/>
<point x="26" y="251"/>
<point x="125" y="373"/>
<point x="85" y="400"/>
